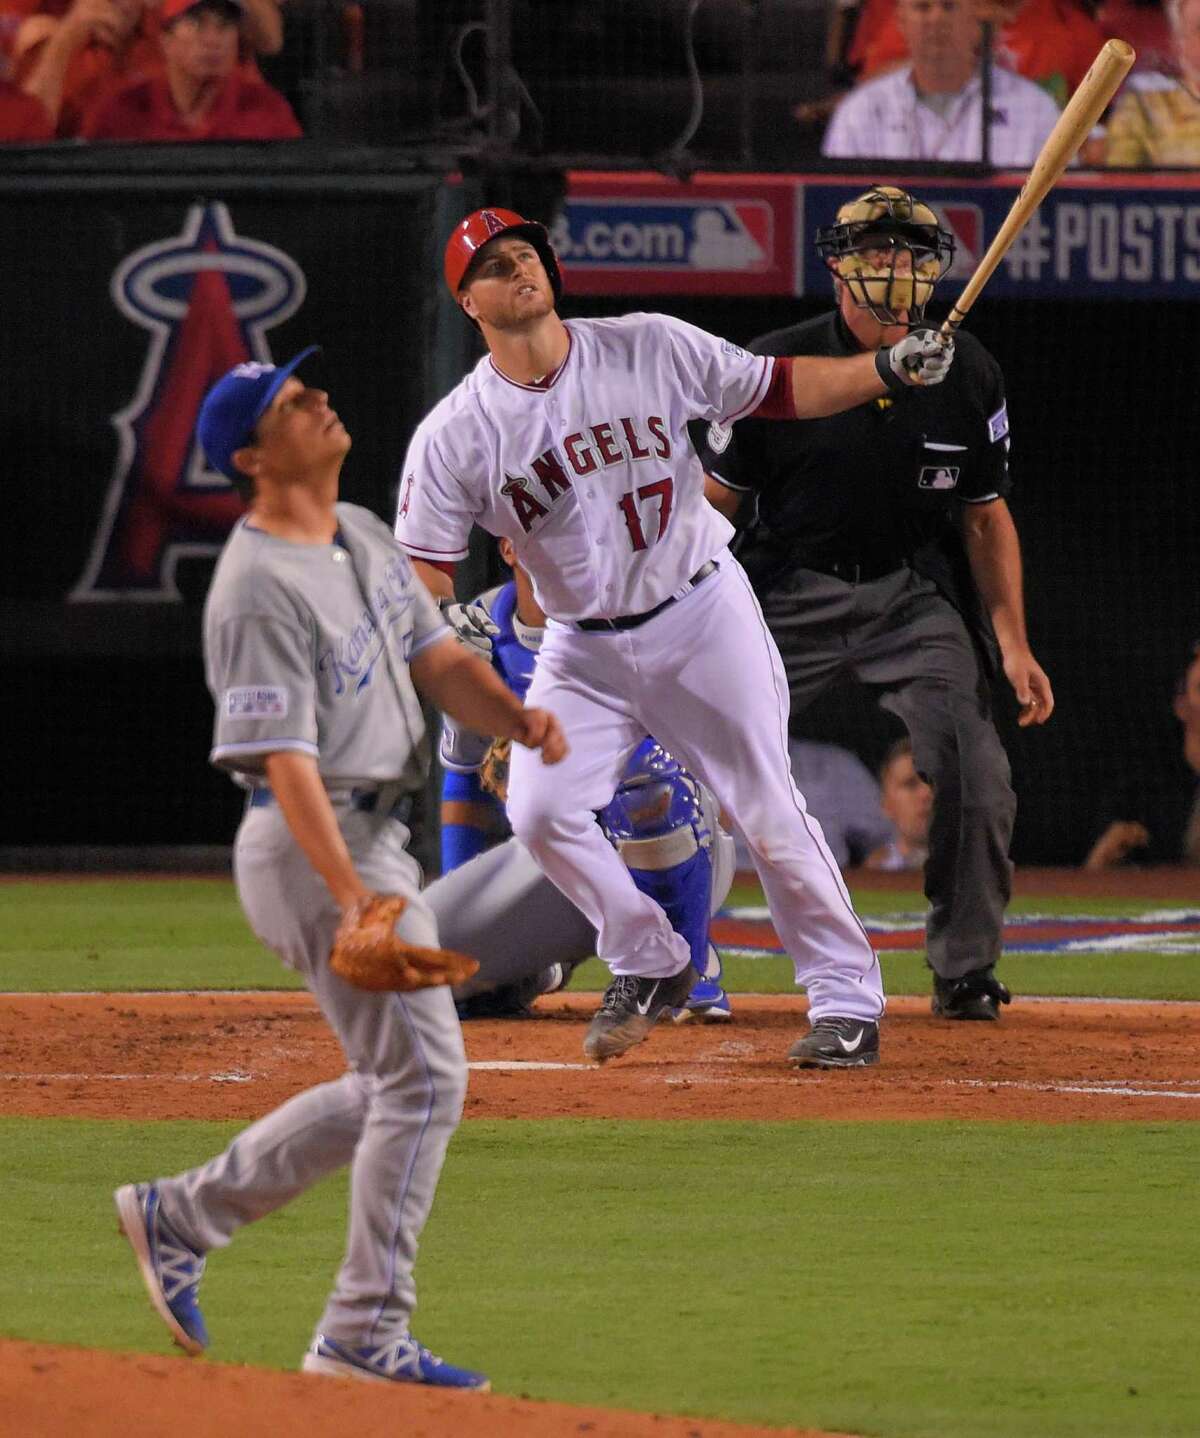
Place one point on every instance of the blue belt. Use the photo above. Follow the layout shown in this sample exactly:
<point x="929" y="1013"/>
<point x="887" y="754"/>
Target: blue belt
<point x="364" y="801"/>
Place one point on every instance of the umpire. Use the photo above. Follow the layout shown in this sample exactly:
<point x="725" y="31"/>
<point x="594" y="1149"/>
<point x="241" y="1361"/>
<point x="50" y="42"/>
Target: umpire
<point x="881" y="546"/>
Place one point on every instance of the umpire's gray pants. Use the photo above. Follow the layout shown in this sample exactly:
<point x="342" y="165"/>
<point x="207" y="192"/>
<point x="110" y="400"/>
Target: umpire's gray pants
<point x="390" y="1117"/>
<point x="901" y="634"/>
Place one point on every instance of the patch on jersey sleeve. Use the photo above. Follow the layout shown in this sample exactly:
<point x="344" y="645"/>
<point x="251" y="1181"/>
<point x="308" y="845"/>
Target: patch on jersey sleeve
<point x="256" y="701"/>
<point x="998" y="423"/>
<point x="719" y="436"/>
<point x="729" y="348"/>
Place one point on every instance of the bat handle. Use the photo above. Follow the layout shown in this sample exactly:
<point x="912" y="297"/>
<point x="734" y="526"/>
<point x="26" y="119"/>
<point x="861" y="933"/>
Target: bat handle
<point x="951" y="323"/>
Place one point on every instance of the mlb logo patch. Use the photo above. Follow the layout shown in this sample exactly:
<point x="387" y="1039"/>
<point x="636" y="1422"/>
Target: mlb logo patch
<point x="256" y="701"/>
<point x="938" y="476"/>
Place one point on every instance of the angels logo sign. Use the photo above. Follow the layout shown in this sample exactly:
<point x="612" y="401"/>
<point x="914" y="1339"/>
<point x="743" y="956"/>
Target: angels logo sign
<point x="207" y="296"/>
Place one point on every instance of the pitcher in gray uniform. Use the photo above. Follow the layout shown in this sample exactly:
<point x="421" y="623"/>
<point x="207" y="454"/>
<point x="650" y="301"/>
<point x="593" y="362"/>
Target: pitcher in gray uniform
<point x="315" y="633"/>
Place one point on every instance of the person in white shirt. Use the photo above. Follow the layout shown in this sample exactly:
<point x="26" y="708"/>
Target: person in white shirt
<point x="932" y="109"/>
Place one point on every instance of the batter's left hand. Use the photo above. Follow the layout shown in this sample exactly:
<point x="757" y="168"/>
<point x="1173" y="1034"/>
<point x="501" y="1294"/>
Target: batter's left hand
<point x="540" y="729"/>
<point x="1031" y="685"/>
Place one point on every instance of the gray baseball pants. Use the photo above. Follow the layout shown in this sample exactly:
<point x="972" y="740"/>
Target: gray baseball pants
<point x="502" y="910"/>
<point x="899" y="633"/>
<point x="389" y="1117"/>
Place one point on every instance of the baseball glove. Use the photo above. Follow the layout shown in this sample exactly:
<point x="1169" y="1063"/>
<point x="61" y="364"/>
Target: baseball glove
<point x="493" y="772"/>
<point x="368" y="952"/>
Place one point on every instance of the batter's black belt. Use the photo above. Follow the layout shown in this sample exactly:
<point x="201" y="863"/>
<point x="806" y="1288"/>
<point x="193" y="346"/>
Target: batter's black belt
<point x="856" y="571"/>
<point x="365" y="801"/>
<point x="631" y="621"/>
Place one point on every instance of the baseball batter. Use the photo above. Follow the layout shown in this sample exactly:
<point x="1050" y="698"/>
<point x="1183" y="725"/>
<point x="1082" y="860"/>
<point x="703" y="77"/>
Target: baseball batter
<point x="494" y="904"/>
<point x="317" y="637"/>
<point x="570" y="440"/>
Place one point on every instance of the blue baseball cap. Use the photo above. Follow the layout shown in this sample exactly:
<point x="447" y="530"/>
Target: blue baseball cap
<point x="235" y="404"/>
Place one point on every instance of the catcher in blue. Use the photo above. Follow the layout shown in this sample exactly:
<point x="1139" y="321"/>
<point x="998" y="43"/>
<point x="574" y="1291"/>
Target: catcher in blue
<point x="495" y="905"/>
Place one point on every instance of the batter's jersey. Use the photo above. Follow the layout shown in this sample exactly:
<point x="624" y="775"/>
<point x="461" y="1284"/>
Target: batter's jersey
<point x="875" y="484"/>
<point x="307" y="648"/>
<point x="591" y="474"/>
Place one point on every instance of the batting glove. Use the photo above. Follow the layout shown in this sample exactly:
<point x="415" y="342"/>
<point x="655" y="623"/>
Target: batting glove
<point x="921" y="358"/>
<point x="472" y="625"/>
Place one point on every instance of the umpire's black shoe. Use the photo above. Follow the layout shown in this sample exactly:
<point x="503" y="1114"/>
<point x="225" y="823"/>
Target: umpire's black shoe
<point x="977" y="995"/>
<point x="631" y="1007"/>
<point x="837" y="1044"/>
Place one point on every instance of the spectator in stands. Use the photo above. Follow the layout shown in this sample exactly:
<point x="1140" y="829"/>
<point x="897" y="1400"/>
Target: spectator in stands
<point x="843" y="797"/>
<point x="908" y="802"/>
<point x="932" y="109"/>
<point x="73" y="54"/>
<point x="1142" y="24"/>
<point x="1156" y="120"/>
<point x="23" y="118"/>
<point x="1150" y="831"/>
<point x="201" y="94"/>
<point x="1051" y="42"/>
<point x="74" y="60"/>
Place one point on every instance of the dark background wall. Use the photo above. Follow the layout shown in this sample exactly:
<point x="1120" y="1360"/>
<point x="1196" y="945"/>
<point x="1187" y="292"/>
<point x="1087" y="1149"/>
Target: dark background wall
<point x="1105" y="439"/>
<point x="109" y="718"/>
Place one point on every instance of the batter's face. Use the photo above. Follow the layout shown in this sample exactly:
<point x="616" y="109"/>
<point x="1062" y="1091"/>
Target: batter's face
<point x="297" y="434"/>
<point x="508" y="287"/>
<point x="907" y="799"/>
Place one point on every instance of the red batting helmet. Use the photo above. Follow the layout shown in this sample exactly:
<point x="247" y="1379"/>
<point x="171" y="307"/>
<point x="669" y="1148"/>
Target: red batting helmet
<point x="489" y="224"/>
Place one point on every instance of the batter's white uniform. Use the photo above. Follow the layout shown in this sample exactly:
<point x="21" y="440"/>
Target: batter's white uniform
<point x="593" y="478"/>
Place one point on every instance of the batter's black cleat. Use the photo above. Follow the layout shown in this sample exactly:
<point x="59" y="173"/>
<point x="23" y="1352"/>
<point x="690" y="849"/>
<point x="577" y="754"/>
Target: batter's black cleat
<point x="631" y="1007"/>
<point x="837" y="1044"/>
<point x="977" y="995"/>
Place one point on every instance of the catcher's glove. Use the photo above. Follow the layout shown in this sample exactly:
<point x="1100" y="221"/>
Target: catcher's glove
<point x="493" y="772"/>
<point x="368" y="952"/>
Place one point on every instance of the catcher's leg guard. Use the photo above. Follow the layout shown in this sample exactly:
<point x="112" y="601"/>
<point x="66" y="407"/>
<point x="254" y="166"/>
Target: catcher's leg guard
<point x="683" y="892"/>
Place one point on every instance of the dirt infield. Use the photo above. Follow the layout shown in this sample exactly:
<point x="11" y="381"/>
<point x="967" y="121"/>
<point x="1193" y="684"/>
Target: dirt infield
<point x="49" y="1392"/>
<point x="237" y="1055"/>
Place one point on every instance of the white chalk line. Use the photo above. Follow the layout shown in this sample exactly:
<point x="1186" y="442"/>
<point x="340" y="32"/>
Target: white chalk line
<point x="525" y="1066"/>
<point x="236" y="1076"/>
<point x="1102" y="1088"/>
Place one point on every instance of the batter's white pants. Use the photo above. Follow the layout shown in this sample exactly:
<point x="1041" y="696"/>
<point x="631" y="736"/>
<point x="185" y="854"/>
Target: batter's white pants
<point x="705" y="678"/>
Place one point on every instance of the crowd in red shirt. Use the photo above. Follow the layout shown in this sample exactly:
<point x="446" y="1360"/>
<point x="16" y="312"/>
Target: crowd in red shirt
<point x="140" y="70"/>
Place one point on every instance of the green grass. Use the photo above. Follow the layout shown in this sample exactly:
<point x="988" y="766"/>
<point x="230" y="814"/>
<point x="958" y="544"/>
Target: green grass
<point x="190" y="934"/>
<point x="1128" y="976"/>
<point x="123" y="935"/>
<point x="933" y="1280"/>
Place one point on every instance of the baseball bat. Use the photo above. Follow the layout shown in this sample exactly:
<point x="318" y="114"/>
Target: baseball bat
<point x="1085" y="107"/>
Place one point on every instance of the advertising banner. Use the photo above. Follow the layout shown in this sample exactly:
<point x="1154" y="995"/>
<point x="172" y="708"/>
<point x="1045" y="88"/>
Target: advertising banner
<point x="1094" y="237"/>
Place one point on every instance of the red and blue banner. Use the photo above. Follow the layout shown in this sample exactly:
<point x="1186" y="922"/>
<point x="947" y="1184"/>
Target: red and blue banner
<point x="1096" y="236"/>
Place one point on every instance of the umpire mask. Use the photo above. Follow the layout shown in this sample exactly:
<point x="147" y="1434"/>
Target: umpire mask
<point x="890" y="251"/>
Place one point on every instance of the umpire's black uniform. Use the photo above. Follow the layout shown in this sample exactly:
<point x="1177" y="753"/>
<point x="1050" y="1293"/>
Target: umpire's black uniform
<point x="857" y="561"/>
